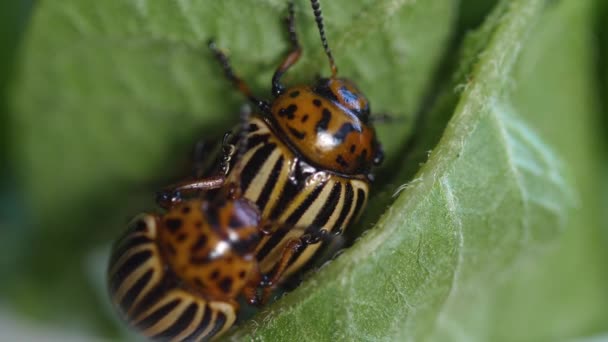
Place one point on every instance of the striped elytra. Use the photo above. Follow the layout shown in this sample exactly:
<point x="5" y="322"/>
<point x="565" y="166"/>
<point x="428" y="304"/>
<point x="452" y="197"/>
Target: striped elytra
<point x="176" y="276"/>
<point x="288" y="190"/>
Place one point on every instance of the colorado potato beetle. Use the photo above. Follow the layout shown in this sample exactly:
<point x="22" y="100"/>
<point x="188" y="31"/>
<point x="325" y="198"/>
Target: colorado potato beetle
<point x="177" y="275"/>
<point x="309" y="153"/>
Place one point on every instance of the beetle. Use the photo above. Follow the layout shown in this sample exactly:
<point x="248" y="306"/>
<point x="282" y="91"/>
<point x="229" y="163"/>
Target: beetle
<point x="161" y="299"/>
<point x="177" y="275"/>
<point x="309" y="154"/>
<point x="297" y="172"/>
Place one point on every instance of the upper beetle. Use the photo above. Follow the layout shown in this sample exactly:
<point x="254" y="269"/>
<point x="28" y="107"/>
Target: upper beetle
<point x="308" y="156"/>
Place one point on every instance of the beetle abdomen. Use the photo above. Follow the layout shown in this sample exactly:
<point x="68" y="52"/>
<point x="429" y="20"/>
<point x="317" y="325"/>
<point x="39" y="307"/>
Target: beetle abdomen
<point x="152" y="299"/>
<point x="288" y="191"/>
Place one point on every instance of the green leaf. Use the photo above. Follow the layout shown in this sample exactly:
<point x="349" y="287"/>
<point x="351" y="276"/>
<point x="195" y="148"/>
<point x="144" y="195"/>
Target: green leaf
<point x="563" y="292"/>
<point x="602" y="30"/>
<point x="500" y="216"/>
<point x="111" y="95"/>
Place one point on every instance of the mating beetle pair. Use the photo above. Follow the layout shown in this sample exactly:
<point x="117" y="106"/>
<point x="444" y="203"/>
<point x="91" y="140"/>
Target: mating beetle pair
<point x="298" y="172"/>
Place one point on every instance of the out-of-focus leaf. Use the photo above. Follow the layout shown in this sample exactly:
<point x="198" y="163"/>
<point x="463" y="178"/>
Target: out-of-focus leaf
<point x="473" y="12"/>
<point x="602" y="59"/>
<point x="563" y="293"/>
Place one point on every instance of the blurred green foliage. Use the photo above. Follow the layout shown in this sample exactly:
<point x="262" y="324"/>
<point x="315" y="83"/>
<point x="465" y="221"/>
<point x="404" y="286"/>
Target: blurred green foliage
<point x="499" y="236"/>
<point x="13" y="16"/>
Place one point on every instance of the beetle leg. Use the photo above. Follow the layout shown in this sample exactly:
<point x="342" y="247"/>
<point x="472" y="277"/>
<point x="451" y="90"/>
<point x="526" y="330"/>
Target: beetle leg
<point x="292" y="247"/>
<point x="251" y="290"/>
<point x="204" y="149"/>
<point x="172" y="195"/>
<point x="292" y="57"/>
<point x="228" y="151"/>
<point x="313" y="235"/>
<point x="269" y="227"/>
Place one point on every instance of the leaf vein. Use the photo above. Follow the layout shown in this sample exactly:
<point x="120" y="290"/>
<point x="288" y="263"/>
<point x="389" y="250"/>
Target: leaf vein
<point x="453" y="213"/>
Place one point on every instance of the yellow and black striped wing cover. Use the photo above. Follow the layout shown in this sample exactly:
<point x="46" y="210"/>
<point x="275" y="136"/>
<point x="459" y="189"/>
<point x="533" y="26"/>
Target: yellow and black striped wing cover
<point x="271" y="176"/>
<point x="150" y="298"/>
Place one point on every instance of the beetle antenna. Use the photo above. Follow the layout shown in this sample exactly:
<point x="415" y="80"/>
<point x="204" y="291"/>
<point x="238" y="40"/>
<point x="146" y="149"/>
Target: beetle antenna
<point x="316" y="8"/>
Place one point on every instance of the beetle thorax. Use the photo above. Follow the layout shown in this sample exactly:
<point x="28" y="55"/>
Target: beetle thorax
<point x="325" y="132"/>
<point x="210" y="246"/>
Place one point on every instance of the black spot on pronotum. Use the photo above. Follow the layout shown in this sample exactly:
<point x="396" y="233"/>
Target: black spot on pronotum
<point x="181" y="237"/>
<point x="299" y="135"/>
<point x="344" y="130"/>
<point x="215" y="274"/>
<point x="288" y="112"/>
<point x="340" y="160"/>
<point x="186" y="209"/>
<point x="294" y="94"/>
<point x="352" y="148"/>
<point x="173" y="224"/>
<point x="200" y="243"/>
<point x="363" y="156"/>
<point x="316" y="102"/>
<point x="195" y="260"/>
<point x="226" y="284"/>
<point x="362" y="160"/>
<point x="324" y="122"/>
<point x="242" y="274"/>
<point x="304" y="118"/>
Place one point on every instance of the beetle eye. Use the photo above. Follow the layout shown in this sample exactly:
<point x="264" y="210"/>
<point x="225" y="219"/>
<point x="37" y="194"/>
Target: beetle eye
<point x="350" y="99"/>
<point x="363" y="114"/>
<point x="354" y="102"/>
